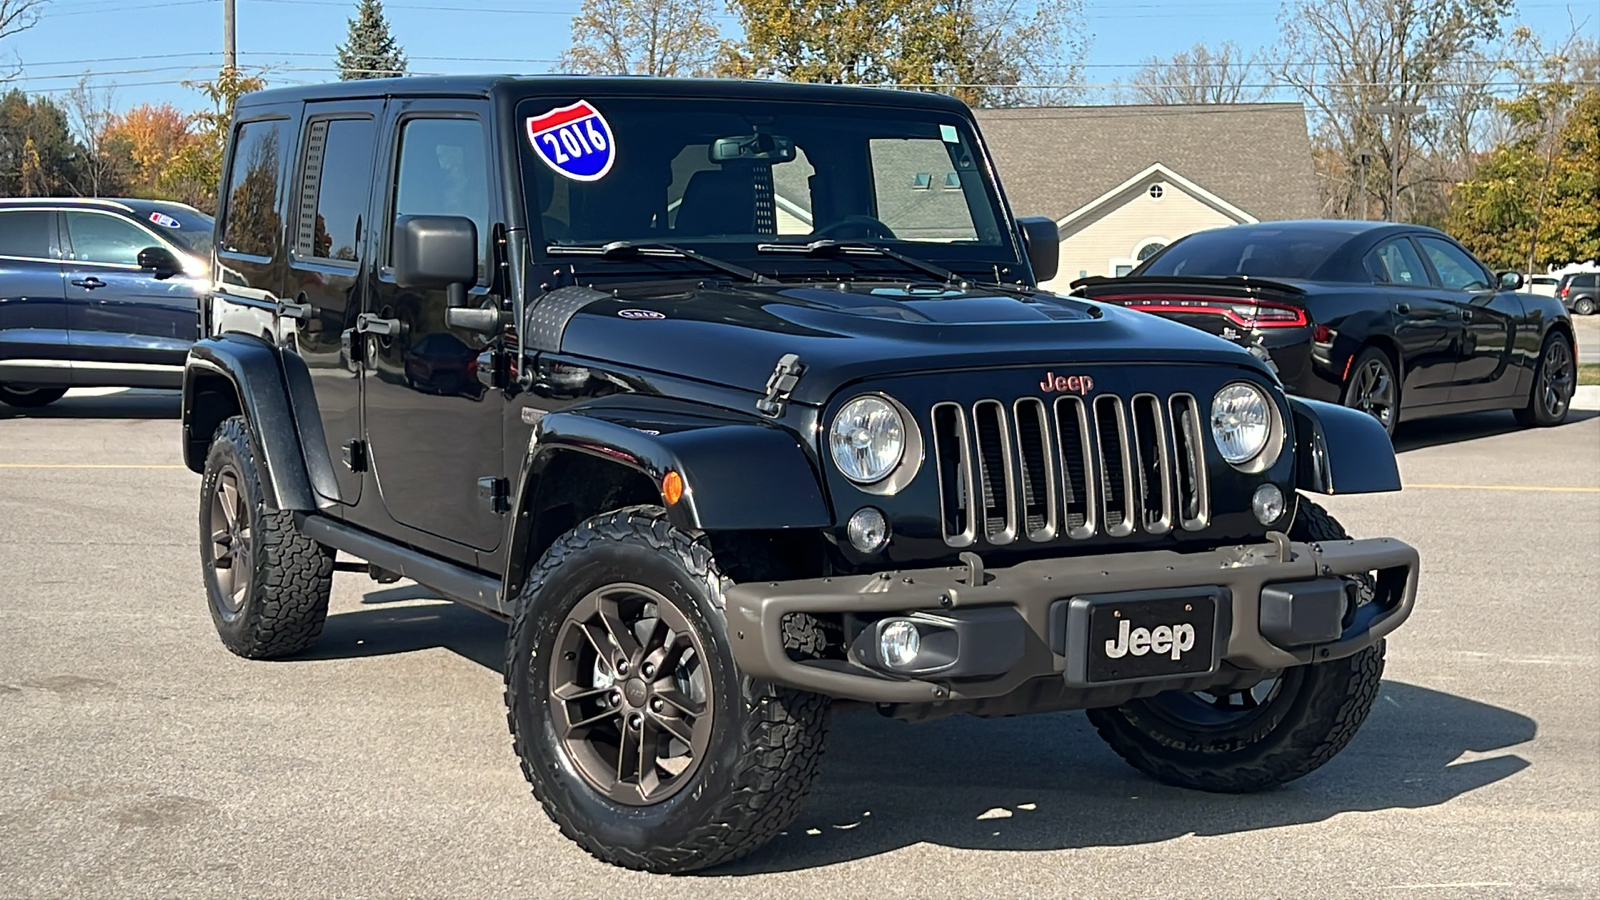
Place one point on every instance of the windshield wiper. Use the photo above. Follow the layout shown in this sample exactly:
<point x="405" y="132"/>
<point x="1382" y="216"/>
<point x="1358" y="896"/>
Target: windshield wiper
<point x="625" y="249"/>
<point x="831" y="247"/>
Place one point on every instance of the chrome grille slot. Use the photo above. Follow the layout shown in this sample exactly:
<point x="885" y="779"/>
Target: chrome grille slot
<point x="997" y="504"/>
<point x="1116" y="476"/>
<point x="1036" y="477"/>
<point x="1194" y="500"/>
<point x="1077" y="449"/>
<point x="1151" y="465"/>
<point x="952" y="456"/>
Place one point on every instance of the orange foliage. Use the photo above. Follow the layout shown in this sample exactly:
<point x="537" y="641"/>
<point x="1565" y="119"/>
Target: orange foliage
<point x="149" y="135"/>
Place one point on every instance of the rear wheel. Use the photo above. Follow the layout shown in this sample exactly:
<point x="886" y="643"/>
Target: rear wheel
<point x="1373" y="388"/>
<point x="27" y="397"/>
<point x="1248" y="740"/>
<point x="1584" y="306"/>
<point x="1555" y="379"/>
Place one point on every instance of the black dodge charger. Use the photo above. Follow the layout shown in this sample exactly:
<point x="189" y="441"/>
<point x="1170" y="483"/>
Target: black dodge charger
<point x="1398" y="320"/>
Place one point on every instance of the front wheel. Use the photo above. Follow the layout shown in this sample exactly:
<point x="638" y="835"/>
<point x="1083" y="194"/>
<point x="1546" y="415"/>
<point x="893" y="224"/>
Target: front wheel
<point x="639" y="735"/>
<point x="30" y="397"/>
<point x="1249" y="740"/>
<point x="1555" y="379"/>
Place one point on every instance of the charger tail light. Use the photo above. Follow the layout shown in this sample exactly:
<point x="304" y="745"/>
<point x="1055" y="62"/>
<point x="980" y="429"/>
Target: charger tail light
<point x="1244" y="313"/>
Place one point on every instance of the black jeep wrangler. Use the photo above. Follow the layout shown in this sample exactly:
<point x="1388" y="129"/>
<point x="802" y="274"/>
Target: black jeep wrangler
<point x="737" y="398"/>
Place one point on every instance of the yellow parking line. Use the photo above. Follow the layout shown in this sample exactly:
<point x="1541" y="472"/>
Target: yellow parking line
<point x="85" y="466"/>
<point x="1506" y="487"/>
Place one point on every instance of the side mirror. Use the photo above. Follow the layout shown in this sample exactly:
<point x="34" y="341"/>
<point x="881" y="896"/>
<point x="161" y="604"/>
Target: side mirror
<point x="160" y="262"/>
<point x="433" y="252"/>
<point x="1510" y="281"/>
<point x="1042" y="241"/>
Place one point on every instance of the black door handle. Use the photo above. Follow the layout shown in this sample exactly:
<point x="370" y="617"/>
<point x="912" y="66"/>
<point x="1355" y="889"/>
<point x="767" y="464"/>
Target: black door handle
<point x="1402" y="308"/>
<point x="1466" y="315"/>
<point x="89" y="283"/>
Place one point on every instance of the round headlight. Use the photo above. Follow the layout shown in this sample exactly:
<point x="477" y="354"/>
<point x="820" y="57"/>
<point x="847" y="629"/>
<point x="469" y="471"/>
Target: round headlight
<point x="867" y="439"/>
<point x="1241" y="422"/>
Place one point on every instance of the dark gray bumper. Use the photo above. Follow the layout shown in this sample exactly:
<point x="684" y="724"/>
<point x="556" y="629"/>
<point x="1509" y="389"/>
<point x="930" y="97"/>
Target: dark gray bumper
<point x="756" y="612"/>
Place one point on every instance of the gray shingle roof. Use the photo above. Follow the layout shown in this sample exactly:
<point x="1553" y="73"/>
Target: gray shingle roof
<point x="1053" y="160"/>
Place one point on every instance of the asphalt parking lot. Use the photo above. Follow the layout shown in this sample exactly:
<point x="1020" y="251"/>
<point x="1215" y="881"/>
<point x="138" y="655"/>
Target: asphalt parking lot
<point x="139" y="758"/>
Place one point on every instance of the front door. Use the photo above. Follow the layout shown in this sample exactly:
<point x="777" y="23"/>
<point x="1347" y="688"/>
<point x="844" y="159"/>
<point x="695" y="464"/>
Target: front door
<point x="326" y="271"/>
<point x="1489" y="320"/>
<point x="434" y="429"/>
<point x="120" y="315"/>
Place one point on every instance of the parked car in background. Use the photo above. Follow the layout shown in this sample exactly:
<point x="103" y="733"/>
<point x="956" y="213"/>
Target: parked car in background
<point x="1398" y="320"/>
<point x="1580" y="292"/>
<point x="1544" y="285"/>
<point x="98" y="293"/>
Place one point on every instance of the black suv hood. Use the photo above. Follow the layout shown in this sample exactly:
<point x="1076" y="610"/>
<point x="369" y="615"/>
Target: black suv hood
<point x="733" y="334"/>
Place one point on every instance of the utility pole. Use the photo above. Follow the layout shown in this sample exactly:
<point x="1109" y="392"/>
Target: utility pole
<point x="230" y="51"/>
<point x="1394" y="111"/>
<point x="1364" y="161"/>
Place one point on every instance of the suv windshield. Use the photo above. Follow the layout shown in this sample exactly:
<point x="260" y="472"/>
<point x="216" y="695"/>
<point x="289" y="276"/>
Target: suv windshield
<point x="733" y="175"/>
<point x="1258" y="252"/>
<point x="190" y="229"/>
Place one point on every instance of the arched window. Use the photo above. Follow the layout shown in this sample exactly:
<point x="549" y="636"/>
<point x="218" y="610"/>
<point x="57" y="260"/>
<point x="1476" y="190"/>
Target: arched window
<point x="1149" y="248"/>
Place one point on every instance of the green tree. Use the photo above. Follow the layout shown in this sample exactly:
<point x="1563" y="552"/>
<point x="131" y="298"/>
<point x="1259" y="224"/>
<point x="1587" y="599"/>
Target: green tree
<point x="38" y="155"/>
<point x="987" y="52"/>
<point x="643" y="37"/>
<point x="195" y="171"/>
<point x="370" y="50"/>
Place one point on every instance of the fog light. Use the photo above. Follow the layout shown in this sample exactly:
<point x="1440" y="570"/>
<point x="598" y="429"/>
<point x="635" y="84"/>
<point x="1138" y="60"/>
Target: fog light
<point x="1268" y="504"/>
<point x="869" y="530"/>
<point x="899" y="643"/>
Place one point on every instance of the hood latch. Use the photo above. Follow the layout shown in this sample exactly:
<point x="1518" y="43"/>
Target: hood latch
<point x="780" y="384"/>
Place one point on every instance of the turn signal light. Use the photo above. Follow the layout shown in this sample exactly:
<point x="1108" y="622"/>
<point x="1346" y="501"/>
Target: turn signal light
<point x="672" y="488"/>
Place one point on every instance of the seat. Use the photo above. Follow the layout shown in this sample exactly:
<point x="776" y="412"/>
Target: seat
<point x="717" y="201"/>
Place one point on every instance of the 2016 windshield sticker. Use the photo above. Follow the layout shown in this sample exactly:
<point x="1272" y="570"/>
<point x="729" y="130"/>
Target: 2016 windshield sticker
<point x="574" y="140"/>
<point x="164" y="220"/>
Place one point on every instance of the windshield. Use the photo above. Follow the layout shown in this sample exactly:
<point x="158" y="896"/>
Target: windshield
<point x="189" y="228"/>
<point x="733" y="175"/>
<point x="1256" y="251"/>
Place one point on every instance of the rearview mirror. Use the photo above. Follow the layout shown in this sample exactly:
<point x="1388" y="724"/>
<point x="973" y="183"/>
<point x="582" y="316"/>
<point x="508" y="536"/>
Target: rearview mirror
<point x="1042" y="241"/>
<point x="160" y="262"/>
<point x="432" y="252"/>
<point x="1510" y="281"/>
<point x="758" y="147"/>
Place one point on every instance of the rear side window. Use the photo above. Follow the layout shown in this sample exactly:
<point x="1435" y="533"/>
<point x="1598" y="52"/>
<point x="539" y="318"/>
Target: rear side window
<point x="25" y="234"/>
<point x="335" y="179"/>
<point x="252" y="221"/>
<point x="1397" y="262"/>
<point x="1457" y="271"/>
<point x="443" y="172"/>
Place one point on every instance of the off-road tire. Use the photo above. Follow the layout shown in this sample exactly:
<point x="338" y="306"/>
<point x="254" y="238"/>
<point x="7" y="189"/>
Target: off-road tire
<point x="285" y="603"/>
<point x="30" y="397"/>
<point x="1538" y="414"/>
<point x="767" y="740"/>
<point x="1312" y="716"/>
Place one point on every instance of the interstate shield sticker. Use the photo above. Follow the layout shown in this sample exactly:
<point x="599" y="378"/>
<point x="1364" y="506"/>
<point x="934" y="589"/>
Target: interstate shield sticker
<point x="574" y="140"/>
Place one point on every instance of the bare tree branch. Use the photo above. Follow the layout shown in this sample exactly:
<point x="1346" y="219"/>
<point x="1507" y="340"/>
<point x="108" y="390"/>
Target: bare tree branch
<point x="1200" y="75"/>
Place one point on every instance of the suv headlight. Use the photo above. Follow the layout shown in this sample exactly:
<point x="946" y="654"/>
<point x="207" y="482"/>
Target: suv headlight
<point x="867" y="439"/>
<point x="1241" y="422"/>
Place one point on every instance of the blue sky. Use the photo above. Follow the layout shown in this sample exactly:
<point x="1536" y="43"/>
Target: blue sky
<point x="145" y="48"/>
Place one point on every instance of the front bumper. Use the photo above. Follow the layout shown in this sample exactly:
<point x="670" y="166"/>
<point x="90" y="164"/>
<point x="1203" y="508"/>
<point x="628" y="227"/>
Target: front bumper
<point x="1036" y="595"/>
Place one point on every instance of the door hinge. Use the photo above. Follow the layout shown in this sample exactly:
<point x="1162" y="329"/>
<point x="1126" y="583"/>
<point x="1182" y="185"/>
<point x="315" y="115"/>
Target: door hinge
<point x="495" y="493"/>
<point x="780" y="384"/>
<point x="355" y="455"/>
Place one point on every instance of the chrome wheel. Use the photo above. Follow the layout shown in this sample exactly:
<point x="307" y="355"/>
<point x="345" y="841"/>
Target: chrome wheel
<point x="629" y="694"/>
<point x="1557" y="379"/>
<point x="230" y="542"/>
<point x="1372" y="390"/>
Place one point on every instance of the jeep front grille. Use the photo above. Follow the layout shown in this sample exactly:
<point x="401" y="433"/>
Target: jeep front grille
<point x="1038" y="470"/>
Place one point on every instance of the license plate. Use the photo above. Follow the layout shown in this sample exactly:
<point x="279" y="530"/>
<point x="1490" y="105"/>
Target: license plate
<point x="1138" y="639"/>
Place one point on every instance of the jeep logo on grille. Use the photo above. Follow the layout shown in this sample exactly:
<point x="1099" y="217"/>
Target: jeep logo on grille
<point x="1066" y="384"/>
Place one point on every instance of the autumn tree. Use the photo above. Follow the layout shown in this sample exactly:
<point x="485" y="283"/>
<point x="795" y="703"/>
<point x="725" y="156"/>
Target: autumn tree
<point x="38" y="155"/>
<point x="193" y="174"/>
<point x="987" y="52"/>
<point x="1201" y="75"/>
<point x="89" y="111"/>
<point x="144" y="141"/>
<point x="643" y="37"/>
<point x="370" y="50"/>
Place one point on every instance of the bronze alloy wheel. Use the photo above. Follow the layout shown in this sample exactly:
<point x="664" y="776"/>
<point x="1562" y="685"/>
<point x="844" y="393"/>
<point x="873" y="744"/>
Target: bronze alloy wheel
<point x="230" y="542"/>
<point x="629" y="694"/>
<point x="1372" y="390"/>
<point x="1557" y="378"/>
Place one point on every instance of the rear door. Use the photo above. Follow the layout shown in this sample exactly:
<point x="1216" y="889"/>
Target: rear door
<point x="119" y="315"/>
<point x="1489" y="319"/>
<point x="33" y="314"/>
<point x="1427" y="328"/>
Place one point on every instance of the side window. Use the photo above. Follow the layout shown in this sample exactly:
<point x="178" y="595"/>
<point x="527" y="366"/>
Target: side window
<point x="1397" y="262"/>
<point x="1457" y="271"/>
<point x="443" y="172"/>
<point x="106" y="239"/>
<point x="26" y="234"/>
<point x="250" y="216"/>
<point x="333" y="188"/>
<point x="918" y="190"/>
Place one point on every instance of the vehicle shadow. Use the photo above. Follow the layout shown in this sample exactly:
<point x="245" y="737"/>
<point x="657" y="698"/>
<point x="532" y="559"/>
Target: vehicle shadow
<point x="1468" y="427"/>
<point x="380" y="628"/>
<point x="1049" y="783"/>
<point x="131" y="404"/>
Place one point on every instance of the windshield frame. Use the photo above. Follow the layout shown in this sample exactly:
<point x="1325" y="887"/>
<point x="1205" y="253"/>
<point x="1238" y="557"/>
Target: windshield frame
<point x="1004" y="260"/>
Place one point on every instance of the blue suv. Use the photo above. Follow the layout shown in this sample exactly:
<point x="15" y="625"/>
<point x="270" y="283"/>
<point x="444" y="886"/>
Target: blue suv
<point x="98" y="293"/>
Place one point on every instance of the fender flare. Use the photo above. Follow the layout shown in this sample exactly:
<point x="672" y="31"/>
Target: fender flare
<point x="1339" y="450"/>
<point x="252" y="370"/>
<point x="729" y="465"/>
